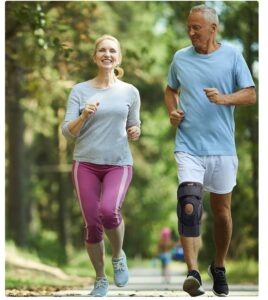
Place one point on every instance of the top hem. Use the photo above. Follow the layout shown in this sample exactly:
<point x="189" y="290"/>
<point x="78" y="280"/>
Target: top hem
<point x="202" y="153"/>
<point x="98" y="162"/>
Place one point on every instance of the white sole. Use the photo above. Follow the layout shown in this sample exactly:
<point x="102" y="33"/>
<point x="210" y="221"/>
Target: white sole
<point x="192" y="286"/>
<point x="215" y="293"/>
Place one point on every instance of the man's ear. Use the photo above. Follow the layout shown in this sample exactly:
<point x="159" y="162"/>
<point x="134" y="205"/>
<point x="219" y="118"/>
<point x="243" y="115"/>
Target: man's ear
<point x="214" y="27"/>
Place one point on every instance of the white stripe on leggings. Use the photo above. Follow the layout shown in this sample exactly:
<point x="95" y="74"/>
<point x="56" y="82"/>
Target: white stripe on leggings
<point x="78" y="194"/>
<point x="121" y="190"/>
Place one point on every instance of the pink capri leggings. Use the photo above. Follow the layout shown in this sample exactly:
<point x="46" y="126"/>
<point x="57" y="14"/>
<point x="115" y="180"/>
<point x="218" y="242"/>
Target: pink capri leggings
<point x="101" y="190"/>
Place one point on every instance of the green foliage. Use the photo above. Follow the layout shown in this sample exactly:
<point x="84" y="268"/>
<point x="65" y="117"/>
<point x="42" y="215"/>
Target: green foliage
<point x="47" y="246"/>
<point x="48" y="49"/>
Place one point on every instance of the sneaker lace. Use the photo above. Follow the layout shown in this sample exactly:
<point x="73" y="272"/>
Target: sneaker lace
<point x="102" y="282"/>
<point x="220" y="276"/>
<point x="119" y="266"/>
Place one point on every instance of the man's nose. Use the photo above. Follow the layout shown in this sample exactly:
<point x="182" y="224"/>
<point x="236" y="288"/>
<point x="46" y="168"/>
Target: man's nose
<point x="191" y="32"/>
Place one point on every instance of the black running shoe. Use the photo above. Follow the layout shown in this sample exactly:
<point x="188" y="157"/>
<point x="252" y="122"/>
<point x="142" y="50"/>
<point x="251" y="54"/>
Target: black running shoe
<point x="193" y="284"/>
<point x="220" y="285"/>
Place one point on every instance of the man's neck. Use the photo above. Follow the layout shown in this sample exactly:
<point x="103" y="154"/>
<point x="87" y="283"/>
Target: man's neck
<point x="209" y="48"/>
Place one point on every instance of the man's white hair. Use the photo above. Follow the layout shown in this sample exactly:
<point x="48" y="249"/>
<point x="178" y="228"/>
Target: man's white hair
<point x="209" y="13"/>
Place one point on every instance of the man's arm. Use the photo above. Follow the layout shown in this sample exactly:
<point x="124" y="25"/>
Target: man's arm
<point x="244" y="96"/>
<point x="171" y="100"/>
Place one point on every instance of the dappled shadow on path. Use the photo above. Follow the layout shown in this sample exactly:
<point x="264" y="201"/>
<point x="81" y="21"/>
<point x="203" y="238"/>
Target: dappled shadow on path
<point x="148" y="282"/>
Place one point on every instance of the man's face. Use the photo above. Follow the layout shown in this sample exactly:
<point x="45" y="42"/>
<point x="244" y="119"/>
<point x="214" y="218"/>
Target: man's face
<point x="200" y="31"/>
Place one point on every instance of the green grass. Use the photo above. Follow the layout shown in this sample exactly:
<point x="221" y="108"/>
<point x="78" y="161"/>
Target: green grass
<point x="78" y="266"/>
<point x="27" y="279"/>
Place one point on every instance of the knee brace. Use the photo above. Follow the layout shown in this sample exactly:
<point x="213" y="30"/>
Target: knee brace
<point x="189" y="222"/>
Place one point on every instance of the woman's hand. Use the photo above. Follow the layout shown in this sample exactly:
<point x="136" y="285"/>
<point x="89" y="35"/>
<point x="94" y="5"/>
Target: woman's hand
<point x="76" y="125"/>
<point x="89" y="109"/>
<point x="133" y="133"/>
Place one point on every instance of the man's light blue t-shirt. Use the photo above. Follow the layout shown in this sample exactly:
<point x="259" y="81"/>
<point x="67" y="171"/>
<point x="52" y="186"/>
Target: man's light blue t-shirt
<point x="207" y="128"/>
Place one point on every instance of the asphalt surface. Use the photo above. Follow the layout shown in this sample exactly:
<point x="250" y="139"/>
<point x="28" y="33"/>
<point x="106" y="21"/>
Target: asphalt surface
<point x="148" y="282"/>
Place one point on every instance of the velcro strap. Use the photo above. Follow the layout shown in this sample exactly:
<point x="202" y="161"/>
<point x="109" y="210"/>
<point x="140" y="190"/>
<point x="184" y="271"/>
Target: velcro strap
<point x="190" y="189"/>
<point x="189" y="231"/>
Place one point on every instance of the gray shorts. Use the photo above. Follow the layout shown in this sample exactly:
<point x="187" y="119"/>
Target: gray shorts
<point x="217" y="173"/>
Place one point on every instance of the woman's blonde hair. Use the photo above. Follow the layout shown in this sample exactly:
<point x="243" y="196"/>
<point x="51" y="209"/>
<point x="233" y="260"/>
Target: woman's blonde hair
<point x="119" y="71"/>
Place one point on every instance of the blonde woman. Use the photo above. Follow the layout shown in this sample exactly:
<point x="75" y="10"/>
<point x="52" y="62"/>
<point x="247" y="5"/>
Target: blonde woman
<point x="102" y="115"/>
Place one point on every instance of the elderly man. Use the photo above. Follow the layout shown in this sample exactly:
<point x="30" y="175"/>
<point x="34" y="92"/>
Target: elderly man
<point x="205" y="83"/>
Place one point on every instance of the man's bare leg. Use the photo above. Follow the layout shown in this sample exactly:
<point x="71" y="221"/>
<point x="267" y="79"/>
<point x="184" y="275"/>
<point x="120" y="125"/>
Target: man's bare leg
<point x="222" y="225"/>
<point x="191" y="246"/>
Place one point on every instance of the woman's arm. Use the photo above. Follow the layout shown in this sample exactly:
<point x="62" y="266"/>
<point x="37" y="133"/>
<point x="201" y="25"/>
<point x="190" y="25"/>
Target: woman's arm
<point x="76" y="125"/>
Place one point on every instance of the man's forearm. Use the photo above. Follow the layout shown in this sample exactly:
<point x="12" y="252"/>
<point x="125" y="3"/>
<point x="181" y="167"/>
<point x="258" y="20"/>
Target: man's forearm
<point x="176" y="115"/>
<point x="242" y="97"/>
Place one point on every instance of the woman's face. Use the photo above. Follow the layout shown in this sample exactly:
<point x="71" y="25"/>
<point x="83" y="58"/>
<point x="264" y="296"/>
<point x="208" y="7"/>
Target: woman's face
<point x="107" y="55"/>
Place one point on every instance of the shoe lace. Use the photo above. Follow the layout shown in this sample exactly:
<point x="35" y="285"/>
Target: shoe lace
<point x="102" y="282"/>
<point x="119" y="266"/>
<point x="220" y="276"/>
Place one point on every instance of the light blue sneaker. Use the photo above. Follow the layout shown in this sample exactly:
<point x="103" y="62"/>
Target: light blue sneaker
<point x="120" y="271"/>
<point x="100" y="287"/>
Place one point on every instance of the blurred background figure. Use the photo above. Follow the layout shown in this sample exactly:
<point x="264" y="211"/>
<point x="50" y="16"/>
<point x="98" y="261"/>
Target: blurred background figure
<point x="177" y="252"/>
<point x="165" y="246"/>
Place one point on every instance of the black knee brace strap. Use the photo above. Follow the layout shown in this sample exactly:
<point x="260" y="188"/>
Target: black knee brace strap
<point x="190" y="193"/>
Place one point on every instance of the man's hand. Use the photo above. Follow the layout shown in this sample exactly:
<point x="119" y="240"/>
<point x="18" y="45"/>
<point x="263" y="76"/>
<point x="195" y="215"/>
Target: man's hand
<point x="215" y="96"/>
<point x="176" y="117"/>
<point x="133" y="133"/>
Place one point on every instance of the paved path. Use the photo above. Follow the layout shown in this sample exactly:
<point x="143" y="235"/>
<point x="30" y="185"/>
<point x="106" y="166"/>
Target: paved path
<point x="149" y="283"/>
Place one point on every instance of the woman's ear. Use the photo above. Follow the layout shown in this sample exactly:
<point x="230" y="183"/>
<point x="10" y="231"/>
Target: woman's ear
<point x="93" y="58"/>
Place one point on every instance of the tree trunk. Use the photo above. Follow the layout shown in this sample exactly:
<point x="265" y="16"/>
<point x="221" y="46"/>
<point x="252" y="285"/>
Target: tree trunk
<point x="16" y="206"/>
<point x="253" y="129"/>
<point x="62" y="180"/>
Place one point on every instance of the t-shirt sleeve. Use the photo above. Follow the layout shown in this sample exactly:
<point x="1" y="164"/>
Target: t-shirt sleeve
<point x="243" y="78"/>
<point x="173" y="81"/>
<point x="72" y="113"/>
<point x="133" y="118"/>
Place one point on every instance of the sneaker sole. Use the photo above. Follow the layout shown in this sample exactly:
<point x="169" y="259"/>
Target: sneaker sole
<point x="97" y="295"/>
<point x="121" y="285"/>
<point x="215" y="293"/>
<point x="192" y="286"/>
